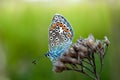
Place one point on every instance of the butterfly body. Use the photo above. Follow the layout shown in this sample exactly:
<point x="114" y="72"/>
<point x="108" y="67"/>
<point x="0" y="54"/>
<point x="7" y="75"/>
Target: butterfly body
<point x="60" y="37"/>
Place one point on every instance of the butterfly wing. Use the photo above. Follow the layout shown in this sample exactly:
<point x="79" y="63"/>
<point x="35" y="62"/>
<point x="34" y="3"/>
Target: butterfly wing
<point x="60" y="36"/>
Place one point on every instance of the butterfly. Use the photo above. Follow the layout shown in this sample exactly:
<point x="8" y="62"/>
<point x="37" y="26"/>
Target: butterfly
<point x="60" y="37"/>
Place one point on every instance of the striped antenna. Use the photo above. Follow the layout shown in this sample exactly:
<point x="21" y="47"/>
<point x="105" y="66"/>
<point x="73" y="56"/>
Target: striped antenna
<point x="37" y="59"/>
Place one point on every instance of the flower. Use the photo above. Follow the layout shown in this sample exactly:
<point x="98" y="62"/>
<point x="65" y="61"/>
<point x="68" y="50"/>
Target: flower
<point x="81" y="53"/>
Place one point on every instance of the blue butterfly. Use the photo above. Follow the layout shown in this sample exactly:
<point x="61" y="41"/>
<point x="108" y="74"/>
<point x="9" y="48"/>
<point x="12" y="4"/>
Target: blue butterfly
<point x="60" y="37"/>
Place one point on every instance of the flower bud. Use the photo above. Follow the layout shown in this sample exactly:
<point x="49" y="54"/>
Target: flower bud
<point x="72" y="52"/>
<point x="66" y="59"/>
<point x="82" y="55"/>
<point x="99" y="44"/>
<point x="58" y="66"/>
<point x="107" y="41"/>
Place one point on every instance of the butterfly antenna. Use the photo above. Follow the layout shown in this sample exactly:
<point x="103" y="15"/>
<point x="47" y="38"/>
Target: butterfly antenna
<point x="37" y="59"/>
<point x="34" y="61"/>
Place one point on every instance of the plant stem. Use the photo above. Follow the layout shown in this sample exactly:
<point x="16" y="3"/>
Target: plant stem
<point x="81" y="71"/>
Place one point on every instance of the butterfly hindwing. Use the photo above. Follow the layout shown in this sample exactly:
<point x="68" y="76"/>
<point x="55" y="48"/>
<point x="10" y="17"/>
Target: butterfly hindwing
<point x="60" y="36"/>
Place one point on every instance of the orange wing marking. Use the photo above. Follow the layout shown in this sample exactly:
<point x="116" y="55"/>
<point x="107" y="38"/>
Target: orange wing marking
<point x="69" y="35"/>
<point x="61" y="24"/>
<point x="67" y="30"/>
<point x="52" y="27"/>
<point x="58" y="23"/>
<point x="64" y="27"/>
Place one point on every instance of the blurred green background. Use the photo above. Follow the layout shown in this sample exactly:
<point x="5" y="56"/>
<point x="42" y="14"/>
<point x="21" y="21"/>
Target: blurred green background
<point x="24" y="35"/>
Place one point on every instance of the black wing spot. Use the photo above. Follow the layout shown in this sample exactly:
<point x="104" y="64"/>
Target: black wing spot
<point x="57" y="30"/>
<point x="57" y="43"/>
<point x="65" y="39"/>
<point x="53" y="34"/>
<point x="51" y="38"/>
<point x="56" y="39"/>
<point x="52" y="44"/>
